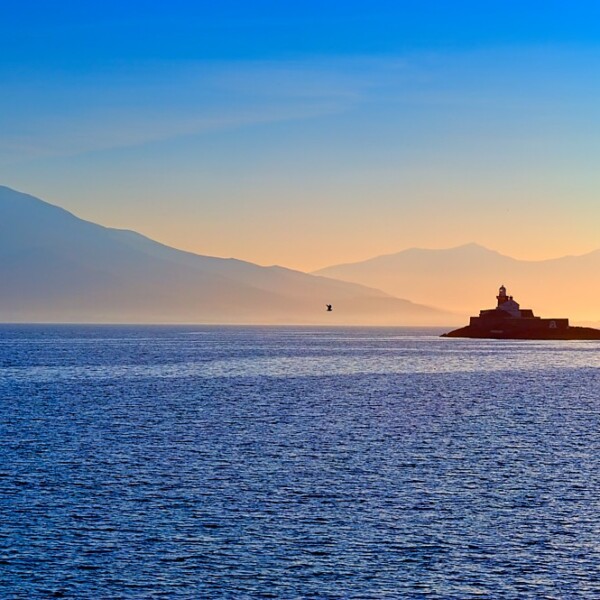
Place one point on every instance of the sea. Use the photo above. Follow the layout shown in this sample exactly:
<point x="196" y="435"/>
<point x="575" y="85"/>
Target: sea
<point x="294" y="462"/>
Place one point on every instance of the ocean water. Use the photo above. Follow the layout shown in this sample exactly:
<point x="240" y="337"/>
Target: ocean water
<point x="224" y="462"/>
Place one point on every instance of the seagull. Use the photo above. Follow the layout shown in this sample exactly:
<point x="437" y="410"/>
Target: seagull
<point x="329" y="307"/>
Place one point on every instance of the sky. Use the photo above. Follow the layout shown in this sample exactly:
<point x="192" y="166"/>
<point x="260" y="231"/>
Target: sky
<point x="312" y="133"/>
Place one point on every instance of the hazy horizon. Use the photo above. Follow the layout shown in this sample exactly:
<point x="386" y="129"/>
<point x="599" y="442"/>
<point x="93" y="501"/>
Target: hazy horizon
<point x="57" y="267"/>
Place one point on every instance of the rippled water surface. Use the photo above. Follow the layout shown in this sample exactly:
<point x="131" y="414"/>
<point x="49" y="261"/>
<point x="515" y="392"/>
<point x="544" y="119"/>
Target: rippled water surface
<point x="207" y="462"/>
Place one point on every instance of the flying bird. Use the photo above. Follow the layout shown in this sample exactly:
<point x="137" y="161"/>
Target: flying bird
<point x="329" y="307"/>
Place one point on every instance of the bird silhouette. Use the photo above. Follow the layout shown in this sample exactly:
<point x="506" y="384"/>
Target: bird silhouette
<point x="329" y="307"/>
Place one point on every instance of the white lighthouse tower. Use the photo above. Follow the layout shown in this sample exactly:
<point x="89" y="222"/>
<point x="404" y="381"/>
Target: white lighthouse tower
<point x="501" y="297"/>
<point x="507" y="304"/>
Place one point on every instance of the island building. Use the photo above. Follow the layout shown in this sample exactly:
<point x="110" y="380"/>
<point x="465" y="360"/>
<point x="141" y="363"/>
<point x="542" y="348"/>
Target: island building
<point x="509" y="321"/>
<point x="509" y="315"/>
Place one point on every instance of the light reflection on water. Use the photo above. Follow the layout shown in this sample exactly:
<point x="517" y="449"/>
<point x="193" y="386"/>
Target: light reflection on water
<point x="188" y="462"/>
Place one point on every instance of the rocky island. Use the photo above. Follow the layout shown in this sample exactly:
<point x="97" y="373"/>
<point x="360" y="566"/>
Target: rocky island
<point x="509" y="321"/>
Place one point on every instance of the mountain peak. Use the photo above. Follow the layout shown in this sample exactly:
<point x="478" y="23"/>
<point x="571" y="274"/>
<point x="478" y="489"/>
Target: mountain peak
<point x="472" y="246"/>
<point x="469" y="247"/>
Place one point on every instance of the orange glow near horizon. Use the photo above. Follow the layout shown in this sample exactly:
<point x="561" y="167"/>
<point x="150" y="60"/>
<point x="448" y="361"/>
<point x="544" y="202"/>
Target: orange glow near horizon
<point x="319" y="239"/>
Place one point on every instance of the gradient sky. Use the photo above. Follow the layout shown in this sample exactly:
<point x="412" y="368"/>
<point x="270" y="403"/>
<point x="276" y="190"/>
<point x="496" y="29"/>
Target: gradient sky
<point x="310" y="133"/>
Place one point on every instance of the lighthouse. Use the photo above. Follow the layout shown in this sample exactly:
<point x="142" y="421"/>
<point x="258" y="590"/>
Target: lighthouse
<point x="507" y="304"/>
<point x="502" y="297"/>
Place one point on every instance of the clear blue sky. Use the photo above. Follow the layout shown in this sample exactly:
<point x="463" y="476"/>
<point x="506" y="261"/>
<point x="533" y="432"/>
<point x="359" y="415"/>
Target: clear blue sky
<point x="313" y="132"/>
<point x="79" y="35"/>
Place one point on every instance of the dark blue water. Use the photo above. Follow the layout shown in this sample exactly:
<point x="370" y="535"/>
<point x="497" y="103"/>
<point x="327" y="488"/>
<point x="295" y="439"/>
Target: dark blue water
<point x="296" y="463"/>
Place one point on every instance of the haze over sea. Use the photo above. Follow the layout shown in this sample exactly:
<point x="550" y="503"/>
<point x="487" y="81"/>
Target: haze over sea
<point x="230" y="462"/>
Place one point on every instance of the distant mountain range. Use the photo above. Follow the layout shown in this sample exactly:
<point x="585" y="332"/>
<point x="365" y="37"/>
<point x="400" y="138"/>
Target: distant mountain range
<point x="56" y="267"/>
<point x="466" y="278"/>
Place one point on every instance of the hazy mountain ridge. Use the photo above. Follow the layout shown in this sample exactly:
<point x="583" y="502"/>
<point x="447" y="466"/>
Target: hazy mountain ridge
<point x="57" y="267"/>
<point x="465" y="278"/>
